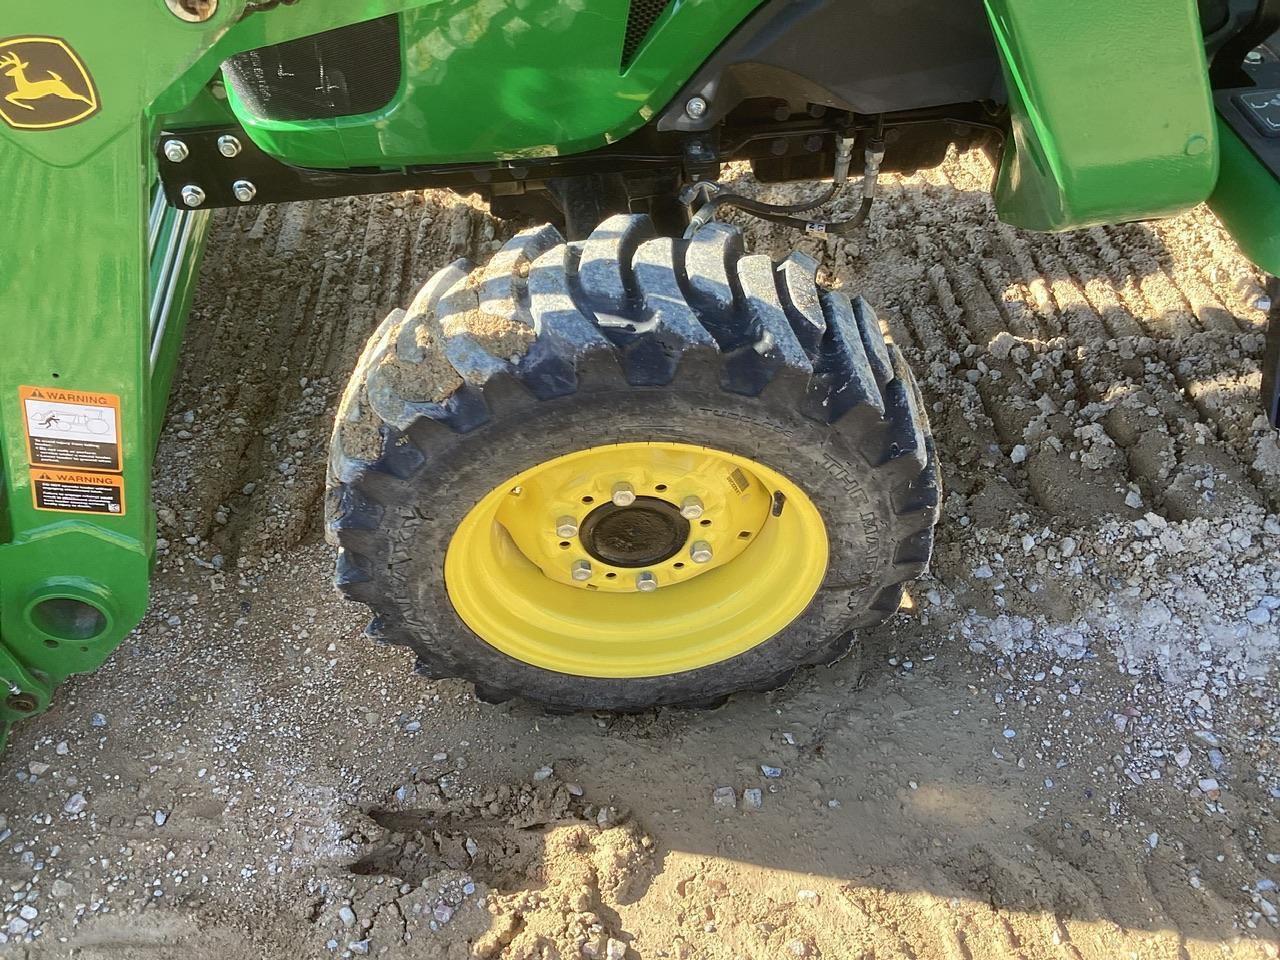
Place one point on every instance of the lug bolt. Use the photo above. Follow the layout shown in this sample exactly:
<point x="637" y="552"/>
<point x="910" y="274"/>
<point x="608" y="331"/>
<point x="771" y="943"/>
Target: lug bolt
<point x="624" y="495"/>
<point x="228" y="146"/>
<point x="700" y="552"/>
<point x="192" y="195"/>
<point x="244" y="190"/>
<point x="566" y="527"/>
<point x="691" y="508"/>
<point x="175" y="151"/>
<point x="696" y="108"/>
<point x="646" y="582"/>
<point x="581" y="570"/>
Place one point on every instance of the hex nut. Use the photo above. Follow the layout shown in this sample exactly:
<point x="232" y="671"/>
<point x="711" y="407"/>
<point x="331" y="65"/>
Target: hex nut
<point x="192" y="195"/>
<point x="646" y="582"/>
<point x="700" y="552"/>
<point x="696" y="108"/>
<point x="623" y="494"/>
<point x="244" y="190"/>
<point x="691" y="508"/>
<point x="229" y="146"/>
<point x="175" y="151"/>
<point x="566" y="527"/>
<point x="581" y="570"/>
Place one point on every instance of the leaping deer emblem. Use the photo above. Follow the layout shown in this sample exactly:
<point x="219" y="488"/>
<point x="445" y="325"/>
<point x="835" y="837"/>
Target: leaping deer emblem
<point x="26" y="90"/>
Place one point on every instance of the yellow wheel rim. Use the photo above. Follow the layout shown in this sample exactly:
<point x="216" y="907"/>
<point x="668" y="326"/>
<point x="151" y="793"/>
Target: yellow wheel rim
<point x="636" y="560"/>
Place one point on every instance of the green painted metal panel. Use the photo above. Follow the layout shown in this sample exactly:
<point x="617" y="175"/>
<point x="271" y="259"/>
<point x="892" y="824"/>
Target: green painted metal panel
<point x="1247" y="201"/>
<point x="82" y="303"/>
<point x="497" y="80"/>
<point x="1110" y="108"/>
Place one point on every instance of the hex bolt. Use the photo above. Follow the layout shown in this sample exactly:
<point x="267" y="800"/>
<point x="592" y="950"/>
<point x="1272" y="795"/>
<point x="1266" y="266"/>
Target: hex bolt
<point x="581" y="570"/>
<point x="175" y="151"/>
<point x="624" y="495"/>
<point x="696" y="108"/>
<point x="228" y="146"/>
<point x="1253" y="57"/>
<point x="566" y="527"/>
<point x="646" y="582"/>
<point x="192" y="195"/>
<point x="700" y="552"/>
<point x="244" y="190"/>
<point x="691" y="508"/>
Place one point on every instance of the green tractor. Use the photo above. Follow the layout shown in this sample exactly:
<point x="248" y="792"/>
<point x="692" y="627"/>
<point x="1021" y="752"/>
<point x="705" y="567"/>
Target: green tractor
<point x="625" y="462"/>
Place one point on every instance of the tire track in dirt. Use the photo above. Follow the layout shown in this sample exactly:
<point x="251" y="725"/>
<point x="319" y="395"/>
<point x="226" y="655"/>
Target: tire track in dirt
<point x="264" y="363"/>
<point x="1030" y="404"/>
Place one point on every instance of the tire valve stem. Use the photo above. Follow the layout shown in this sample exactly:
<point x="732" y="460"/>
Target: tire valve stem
<point x="646" y="582"/>
<point x="581" y="570"/>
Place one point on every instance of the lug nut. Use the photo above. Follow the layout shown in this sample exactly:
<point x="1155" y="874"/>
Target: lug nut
<point x="646" y="582"/>
<point x="566" y="527"/>
<point x="244" y="190"/>
<point x="700" y="552"/>
<point x="581" y="570"/>
<point x="192" y="195"/>
<point x="696" y="108"/>
<point x="624" y="495"/>
<point x="691" y="508"/>
<point x="175" y="151"/>
<point x="228" y="146"/>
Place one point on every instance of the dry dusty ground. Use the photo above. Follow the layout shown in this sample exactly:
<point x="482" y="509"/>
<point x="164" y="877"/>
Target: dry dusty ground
<point x="1066" y="749"/>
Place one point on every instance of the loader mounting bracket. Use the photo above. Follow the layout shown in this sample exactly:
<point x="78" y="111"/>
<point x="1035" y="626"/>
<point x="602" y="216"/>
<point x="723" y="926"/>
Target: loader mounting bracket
<point x="216" y="175"/>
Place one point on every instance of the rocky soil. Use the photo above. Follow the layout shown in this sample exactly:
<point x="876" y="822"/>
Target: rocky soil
<point x="1066" y="747"/>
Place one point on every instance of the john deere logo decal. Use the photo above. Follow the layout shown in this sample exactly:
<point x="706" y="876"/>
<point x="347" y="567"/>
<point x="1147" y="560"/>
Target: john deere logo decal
<point x="43" y="84"/>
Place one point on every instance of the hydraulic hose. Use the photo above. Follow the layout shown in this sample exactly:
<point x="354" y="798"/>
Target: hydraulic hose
<point x="785" y="215"/>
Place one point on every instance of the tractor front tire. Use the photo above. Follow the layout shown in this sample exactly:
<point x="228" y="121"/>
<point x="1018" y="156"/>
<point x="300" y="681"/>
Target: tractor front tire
<point x="629" y="472"/>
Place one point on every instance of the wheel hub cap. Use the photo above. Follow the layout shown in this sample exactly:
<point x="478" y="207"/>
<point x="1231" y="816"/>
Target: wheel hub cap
<point x="648" y="532"/>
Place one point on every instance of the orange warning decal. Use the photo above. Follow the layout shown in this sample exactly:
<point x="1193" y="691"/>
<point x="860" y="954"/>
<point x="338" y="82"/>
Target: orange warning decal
<point x="74" y="491"/>
<point x="71" y="429"/>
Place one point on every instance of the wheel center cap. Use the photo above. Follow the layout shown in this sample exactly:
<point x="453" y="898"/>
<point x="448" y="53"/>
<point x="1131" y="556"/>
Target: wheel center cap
<point x="646" y="532"/>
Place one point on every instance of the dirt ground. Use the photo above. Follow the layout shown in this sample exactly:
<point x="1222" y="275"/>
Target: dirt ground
<point x="1065" y="748"/>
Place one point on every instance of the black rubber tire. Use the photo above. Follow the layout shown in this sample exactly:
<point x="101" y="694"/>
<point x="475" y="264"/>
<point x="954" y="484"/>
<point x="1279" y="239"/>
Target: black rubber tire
<point x="637" y="338"/>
